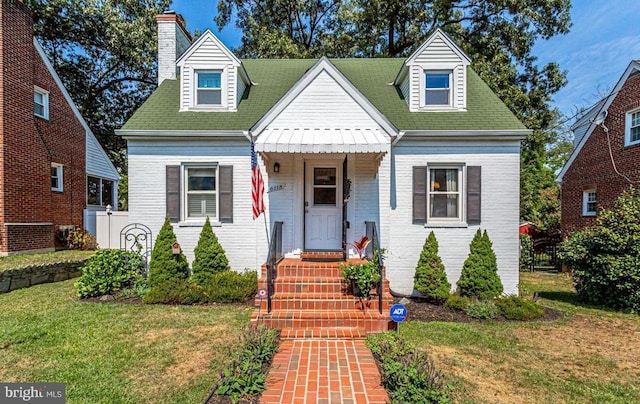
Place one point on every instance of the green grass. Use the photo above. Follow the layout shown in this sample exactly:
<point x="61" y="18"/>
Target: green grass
<point x="115" y="353"/>
<point x="590" y="355"/>
<point x="24" y="260"/>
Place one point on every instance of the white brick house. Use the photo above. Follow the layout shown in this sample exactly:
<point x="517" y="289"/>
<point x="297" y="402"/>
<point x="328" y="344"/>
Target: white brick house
<point x="413" y="145"/>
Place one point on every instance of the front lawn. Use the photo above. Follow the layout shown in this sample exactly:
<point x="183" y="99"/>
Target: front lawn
<point x="589" y="356"/>
<point x="115" y="353"/>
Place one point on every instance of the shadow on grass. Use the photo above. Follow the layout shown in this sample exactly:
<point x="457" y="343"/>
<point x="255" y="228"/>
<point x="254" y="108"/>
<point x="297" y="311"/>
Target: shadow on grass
<point x="571" y="298"/>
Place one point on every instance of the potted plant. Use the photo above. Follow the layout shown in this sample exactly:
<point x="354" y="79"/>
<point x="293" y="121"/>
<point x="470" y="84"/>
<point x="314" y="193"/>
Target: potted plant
<point x="362" y="276"/>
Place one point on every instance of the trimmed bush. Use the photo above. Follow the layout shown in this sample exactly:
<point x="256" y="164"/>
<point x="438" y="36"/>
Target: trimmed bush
<point x="164" y="266"/>
<point x="175" y="291"/>
<point x="482" y="309"/>
<point x="605" y="260"/>
<point x="221" y="287"/>
<point x="430" y="278"/>
<point x="455" y="302"/>
<point x="479" y="276"/>
<point x="516" y="308"/>
<point x="209" y="256"/>
<point x="108" y="271"/>
<point x="231" y="286"/>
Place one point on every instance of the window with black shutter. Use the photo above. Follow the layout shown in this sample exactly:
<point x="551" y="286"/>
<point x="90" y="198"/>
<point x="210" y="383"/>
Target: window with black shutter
<point x="207" y="192"/>
<point x="439" y="194"/>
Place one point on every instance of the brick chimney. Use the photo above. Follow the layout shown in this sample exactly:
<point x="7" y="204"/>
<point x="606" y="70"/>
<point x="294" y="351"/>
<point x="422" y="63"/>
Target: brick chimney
<point x="173" y="40"/>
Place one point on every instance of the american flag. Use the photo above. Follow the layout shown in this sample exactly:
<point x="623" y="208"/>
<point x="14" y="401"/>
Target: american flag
<point x="257" y="185"/>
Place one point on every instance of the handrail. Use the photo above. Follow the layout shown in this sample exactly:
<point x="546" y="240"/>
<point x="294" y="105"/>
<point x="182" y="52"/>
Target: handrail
<point x="374" y="252"/>
<point x="274" y="256"/>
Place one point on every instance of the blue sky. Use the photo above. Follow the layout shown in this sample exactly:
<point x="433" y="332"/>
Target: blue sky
<point x="604" y="38"/>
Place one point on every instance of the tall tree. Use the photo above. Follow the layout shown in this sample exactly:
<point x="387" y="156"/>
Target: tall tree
<point x="105" y="54"/>
<point x="498" y="35"/>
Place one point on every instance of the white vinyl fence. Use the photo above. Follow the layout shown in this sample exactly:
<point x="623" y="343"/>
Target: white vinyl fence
<point x="108" y="228"/>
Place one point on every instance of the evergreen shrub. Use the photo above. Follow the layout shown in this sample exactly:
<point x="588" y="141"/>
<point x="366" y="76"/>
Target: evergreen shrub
<point x="430" y="278"/>
<point x="175" y="291"/>
<point x="209" y="256"/>
<point x="479" y="276"/>
<point x="231" y="287"/>
<point x="482" y="309"/>
<point x="516" y="308"/>
<point x="455" y="302"/>
<point x="165" y="266"/>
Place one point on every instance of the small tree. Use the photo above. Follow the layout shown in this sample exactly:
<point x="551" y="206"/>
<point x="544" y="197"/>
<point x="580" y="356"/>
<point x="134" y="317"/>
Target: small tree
<point x="430" y="278"/>
<point x="164" y="265"/>
<point x="479" y="276"/>
<point x="209" y="256"/>
<point x="605" y="259"/>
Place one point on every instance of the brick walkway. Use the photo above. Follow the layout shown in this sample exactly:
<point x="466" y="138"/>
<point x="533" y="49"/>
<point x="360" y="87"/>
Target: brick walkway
<point x="324" y="371"/>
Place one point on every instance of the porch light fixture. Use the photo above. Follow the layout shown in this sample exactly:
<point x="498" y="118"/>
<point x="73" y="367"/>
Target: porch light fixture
<point x="276" y="167"/>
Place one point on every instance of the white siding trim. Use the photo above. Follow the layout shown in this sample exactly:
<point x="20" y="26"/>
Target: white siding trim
<point x="439" y="35"/>
<point x="209" y="53"/>
<point x="207" y="36"/>
<point x="324" y="65"/>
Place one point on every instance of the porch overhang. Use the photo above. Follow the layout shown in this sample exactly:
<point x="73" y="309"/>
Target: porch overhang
<point x="323" y="140"/>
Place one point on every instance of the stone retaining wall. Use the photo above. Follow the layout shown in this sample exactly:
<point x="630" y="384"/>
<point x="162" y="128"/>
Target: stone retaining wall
<point x="19" y="278"/>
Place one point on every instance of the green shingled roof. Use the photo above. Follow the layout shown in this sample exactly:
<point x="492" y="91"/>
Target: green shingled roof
<point x="274" y="77"/>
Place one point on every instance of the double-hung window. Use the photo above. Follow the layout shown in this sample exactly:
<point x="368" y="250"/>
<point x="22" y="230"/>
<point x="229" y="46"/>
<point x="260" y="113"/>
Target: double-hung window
<point x="56" y="177"/>
<point x="209" y="87"/>
<point x="437" y="91"/>
<point x="41" y="103"/>
<point x="201" y="191"/>
<point x="632" y="128"/>
<point x="447" y="195"/>
<point x="589" y="202"/>
<point x="444" y="201"/>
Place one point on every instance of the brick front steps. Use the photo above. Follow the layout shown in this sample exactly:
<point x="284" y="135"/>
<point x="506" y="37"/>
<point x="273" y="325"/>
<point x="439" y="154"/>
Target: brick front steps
<point x="311" y="300"/>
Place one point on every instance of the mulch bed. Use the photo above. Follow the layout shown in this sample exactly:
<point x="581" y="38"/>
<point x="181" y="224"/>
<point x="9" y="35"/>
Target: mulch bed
<point x="421" y="310"/>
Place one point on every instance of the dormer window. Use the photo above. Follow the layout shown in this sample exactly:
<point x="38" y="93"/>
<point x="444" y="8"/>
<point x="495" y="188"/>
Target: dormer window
<point x="437" y="88"/>
<point x="209" y="91"/>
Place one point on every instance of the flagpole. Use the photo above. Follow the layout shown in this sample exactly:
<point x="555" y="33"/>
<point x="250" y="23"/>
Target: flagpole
<point x="266" y="228"/>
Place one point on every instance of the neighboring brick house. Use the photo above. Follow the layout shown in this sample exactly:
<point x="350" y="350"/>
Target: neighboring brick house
<point x="47" y="152"/>
<point x="606" y="158"/>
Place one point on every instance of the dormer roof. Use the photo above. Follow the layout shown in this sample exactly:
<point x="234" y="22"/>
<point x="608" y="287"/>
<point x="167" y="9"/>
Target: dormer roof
<point x="209" y="36"/>
<point x="438" y="34"/>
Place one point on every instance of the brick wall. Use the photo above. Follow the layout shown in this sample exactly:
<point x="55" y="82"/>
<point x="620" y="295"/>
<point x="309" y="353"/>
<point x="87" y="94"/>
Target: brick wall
<point x="30" y="144"/>
<point x="592" y="168"/>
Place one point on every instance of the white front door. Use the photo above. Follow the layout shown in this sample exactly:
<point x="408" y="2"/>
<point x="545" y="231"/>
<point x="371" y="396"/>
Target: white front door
<point x="323" y="205"/>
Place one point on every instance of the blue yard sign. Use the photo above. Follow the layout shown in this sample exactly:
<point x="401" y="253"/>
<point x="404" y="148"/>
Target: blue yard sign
<point x="398" y="313"/>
